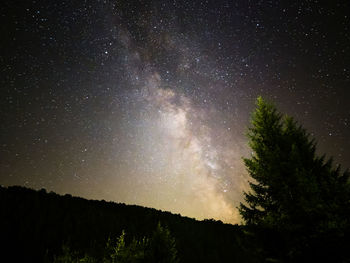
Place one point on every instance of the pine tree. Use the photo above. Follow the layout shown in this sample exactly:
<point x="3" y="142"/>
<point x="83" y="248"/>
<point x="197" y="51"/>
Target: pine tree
<point x="162" y="246"/>
<point x="119" y="252"/>
<point x="293" y="191"/>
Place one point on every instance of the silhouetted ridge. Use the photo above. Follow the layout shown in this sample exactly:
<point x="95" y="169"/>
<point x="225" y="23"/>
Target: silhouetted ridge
<point x="36" y="224"/>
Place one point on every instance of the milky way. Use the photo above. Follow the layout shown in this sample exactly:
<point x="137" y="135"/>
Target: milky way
<point x="184" y="152"/>
<point x="148" y="102"/>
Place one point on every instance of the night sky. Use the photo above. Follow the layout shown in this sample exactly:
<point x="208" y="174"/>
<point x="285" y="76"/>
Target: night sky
<point x="148" y="102"/>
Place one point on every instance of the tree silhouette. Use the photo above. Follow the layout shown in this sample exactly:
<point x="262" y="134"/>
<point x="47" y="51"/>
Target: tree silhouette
<point x="293" y="192"/>
<point x="162" y="246"/>
<point x="119" y="252"/>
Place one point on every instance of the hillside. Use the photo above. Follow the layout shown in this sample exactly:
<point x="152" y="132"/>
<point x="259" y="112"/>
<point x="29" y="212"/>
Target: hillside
<point x="35" y="225"/>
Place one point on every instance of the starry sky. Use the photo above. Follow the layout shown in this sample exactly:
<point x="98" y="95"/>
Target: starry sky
<point x="148" y="102"/>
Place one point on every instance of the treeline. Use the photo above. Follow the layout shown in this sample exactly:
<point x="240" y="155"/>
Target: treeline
<point x="36" y="225"/>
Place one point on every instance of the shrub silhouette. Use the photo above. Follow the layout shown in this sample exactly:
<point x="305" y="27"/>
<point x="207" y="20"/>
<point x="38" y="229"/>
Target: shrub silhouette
<point x="160" y="248"/>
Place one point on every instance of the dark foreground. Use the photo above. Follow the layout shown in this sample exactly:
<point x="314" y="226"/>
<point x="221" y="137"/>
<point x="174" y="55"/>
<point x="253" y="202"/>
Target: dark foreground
<point x="35" y="225"/>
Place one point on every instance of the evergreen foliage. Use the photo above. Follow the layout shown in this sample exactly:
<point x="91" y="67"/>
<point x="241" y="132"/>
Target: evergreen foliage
<point x="121" y="253"/>
<point x="162" y="246"/>
<point x="294" y="193"/>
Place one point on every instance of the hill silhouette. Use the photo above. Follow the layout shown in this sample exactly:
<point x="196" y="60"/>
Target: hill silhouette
<point x="36" y="225"/>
